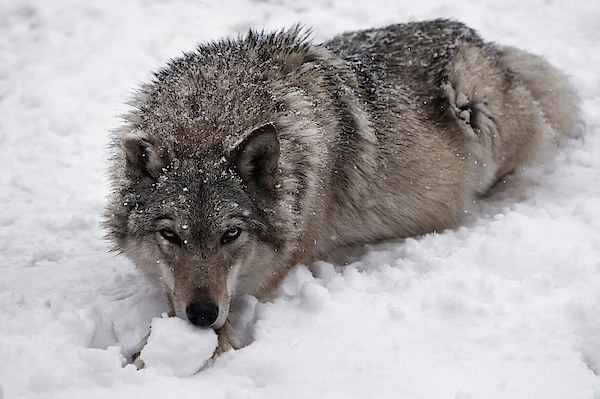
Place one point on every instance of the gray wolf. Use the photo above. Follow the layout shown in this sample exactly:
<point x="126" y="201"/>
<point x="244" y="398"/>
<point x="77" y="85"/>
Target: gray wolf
<point x="248" y="156"/>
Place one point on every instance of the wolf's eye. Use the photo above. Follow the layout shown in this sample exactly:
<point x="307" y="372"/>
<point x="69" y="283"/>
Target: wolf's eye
<point x="171" y="236"/>
<point x="231" y="235"/>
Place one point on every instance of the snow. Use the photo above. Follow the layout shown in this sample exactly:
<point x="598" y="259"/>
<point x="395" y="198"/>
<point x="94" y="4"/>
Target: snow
<point x="506" y="306"/>
<point x="177" y="348"/>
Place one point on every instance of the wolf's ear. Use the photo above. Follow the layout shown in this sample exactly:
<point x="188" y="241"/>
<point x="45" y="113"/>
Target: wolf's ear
<point x="257" y="156"/>
<point x="143" y="158"/>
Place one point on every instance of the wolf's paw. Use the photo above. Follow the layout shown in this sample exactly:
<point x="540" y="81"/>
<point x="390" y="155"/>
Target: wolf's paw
<point x="228" y="339"/>
<point x="137" y="361"/>
<point x="137" y="350"/>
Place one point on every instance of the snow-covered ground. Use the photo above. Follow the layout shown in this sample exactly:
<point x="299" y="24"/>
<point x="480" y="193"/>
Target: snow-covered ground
<point x="507" y="306"/>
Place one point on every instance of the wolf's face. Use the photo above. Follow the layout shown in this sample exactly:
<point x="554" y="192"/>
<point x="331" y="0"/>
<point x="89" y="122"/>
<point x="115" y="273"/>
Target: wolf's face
<point x="196" y="226"/>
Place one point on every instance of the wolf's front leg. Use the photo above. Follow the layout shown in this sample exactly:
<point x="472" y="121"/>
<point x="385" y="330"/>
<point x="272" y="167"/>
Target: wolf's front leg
<point x="137" y="350"/>
<point x="228" y="339"/>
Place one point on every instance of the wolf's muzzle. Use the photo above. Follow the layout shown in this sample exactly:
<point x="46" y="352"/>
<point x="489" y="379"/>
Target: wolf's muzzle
<point x="202" y="314"/>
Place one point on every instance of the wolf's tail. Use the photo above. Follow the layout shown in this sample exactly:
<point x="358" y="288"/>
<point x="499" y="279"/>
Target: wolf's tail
<point x="550" y="88"/>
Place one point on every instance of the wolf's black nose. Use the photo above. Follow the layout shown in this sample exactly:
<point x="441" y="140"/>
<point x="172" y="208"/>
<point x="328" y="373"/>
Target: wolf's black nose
<point x="202" y="313"/>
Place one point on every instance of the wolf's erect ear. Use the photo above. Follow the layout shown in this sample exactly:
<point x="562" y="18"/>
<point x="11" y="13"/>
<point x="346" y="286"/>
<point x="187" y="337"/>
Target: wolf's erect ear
<point x="143" y="158"/>
<point x="257" y="156"/>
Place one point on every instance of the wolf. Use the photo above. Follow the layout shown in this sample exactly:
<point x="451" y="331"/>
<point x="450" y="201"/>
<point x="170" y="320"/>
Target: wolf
<point x="248" y="156"/>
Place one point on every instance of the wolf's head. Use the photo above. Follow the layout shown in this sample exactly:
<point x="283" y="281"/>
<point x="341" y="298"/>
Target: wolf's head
<point x="215" y="167"/>
<point x="196" y="226"/>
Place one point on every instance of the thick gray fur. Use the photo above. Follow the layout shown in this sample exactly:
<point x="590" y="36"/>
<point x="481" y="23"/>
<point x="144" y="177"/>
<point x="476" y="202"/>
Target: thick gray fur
<point x="301" y="148"/>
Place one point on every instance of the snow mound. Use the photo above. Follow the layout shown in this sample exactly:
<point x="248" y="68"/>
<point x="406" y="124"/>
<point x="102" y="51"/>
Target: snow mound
<point x="177" y="348"/>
